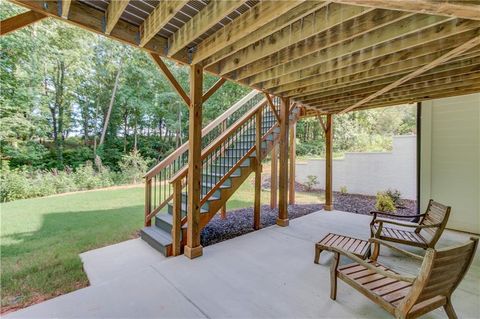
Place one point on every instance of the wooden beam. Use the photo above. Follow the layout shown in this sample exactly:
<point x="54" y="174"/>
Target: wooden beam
<point x="92" y="19"/>
<point x="348" y="71"/>
<point x="408" y="27"/>
<point x="414" y="98"/>
<point x="114" y="12"/>
<point x="407" y="91"/>
<point x="457" y="67"/>
<point x="341" y="33"/>
<point x="213" y="89"/>
<point x="282" y="219"/>
<point x="65" y="8"/>
<point x="366" y="47"/>
<point x="272" y="107"/>
<point x="274" y="177"/>
<point x="159" y="18"/>
<point x="329" y="163"/>
<point x="458" y="9"/>
<point x="316" y="22"/>
<point x="258" y="170"/>
<point x="255" y="18"/>
<point x="292" y="163"/>
<point x="200" y="23"/>
<point x="19" y="21"/>
<point x="266" y="30"/>
<point x="453" y="53"/>
<point x="171" y="79"/>
<point x="193" y="248"/>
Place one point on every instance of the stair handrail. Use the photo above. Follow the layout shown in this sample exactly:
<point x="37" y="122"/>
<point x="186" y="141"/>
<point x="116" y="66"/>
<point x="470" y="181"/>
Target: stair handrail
<point x="218" y="141"/>
<point x="177" y="160"/>
<point x="207" y="129"/>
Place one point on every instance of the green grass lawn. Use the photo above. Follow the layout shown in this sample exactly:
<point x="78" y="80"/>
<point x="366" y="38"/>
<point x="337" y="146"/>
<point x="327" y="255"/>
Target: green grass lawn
<point x="42" y="237"/>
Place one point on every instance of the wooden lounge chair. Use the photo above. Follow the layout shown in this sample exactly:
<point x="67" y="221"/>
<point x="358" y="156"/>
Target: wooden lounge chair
<point x="423" y="234"/>
<point x="406" y="296"/>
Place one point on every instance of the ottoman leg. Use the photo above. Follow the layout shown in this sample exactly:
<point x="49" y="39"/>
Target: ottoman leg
<point x="318" y="250"/>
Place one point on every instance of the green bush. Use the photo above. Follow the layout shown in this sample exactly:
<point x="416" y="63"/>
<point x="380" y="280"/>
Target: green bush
<point x="312" y="180"/>
<point x="384" y="203"/>
<point x="133" y="167"/>
<point x="85" y="177"/>
<point x="395" y="195"/>
<point x="343" y="189"/>
<point x="21" y="184"/>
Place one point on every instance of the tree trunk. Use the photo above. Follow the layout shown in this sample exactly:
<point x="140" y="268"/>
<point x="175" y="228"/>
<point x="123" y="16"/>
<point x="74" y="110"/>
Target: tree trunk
<point x="109" y="112"/>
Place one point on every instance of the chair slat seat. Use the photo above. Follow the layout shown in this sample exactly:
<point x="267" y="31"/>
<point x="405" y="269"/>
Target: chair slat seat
<point x="401" y="235"/>
<point x="390" y="290"/>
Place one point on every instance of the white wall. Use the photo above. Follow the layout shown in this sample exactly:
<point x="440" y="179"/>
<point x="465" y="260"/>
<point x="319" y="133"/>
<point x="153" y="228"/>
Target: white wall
<point x="369" y="173"/>
<point x="450" y="156"/>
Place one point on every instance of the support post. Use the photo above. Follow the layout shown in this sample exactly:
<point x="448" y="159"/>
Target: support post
<point x="274" y="178"/>
<point x="177" y="218"/>
<point x="148" y="202"/>
<point x="223" y="211"/>
<point x="258" y="170"/>
<point x="329" y="163"/>
<point x="193" y="248"/>
<point x="291" y="175"/>
<point x="282" y="219"/>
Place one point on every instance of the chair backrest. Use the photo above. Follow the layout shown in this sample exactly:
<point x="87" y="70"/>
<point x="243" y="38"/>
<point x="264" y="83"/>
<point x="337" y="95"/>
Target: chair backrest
<point x="441" y="272"/>
<point x="436" y="214"/>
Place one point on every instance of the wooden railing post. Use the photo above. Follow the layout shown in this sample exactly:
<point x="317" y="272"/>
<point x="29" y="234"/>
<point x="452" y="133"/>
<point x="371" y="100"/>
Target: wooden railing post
<point x="148" y="201"/>
<point x="258" y="170"/>
<point x="274" y="178"/>
<point x="329" y="163"/>
<point x="291" y="175"/>
<point x="223" y="211"/>
<point x="282" y="219"/>
<point x="193" y="248"/>
<point x="177" y="218"/>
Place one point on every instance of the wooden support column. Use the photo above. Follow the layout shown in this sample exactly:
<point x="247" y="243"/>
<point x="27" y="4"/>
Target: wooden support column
<point x="193" y="248"/>
<point x="282" y="219"/>
<point x="292" y="160"/>
<point x="329" y="163"/>
<point x="258" y="170"/>
<point x="274" y="178"/>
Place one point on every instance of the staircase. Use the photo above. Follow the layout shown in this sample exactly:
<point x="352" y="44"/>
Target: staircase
<point x="229" y="146"/>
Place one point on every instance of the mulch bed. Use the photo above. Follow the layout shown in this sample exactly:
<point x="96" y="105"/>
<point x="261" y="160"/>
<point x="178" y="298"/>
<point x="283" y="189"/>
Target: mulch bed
<point x="240" y="221"/>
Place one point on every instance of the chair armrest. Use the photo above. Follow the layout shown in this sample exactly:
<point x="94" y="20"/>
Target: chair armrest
<point x="394" y="215"/>
<point x="407" y="253"/>
<point x="408" y="278"/>
<point x="394" y="222"/>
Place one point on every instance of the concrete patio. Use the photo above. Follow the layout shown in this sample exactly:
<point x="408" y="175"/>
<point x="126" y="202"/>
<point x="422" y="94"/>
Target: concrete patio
<point x="267" y="273"/>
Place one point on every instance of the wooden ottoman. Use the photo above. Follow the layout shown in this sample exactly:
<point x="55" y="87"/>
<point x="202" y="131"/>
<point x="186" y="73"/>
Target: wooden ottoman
<point x="359" y="247"/>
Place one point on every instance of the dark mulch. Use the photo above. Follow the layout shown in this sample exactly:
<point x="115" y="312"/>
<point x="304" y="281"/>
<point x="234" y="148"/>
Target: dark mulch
<point x="364" y="204"/>
<point x="240" y="221"/>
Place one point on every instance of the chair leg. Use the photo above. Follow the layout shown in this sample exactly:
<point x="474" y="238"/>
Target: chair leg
<point x="333" y="276"/>
<point x="318" y="251"/>
<point x="449" y="310"/>
<point x="376" y="251"/>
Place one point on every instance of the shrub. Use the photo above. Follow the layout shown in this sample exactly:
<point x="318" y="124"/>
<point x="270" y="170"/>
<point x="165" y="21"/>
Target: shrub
<point x="395" y="195"/>
<point x="312" y="180"/>
<point x="384" y="203"/>
<point x="14" y="185"/>
<point x="132" y="167"/>
<point x="343" y="189"/>
<point x="85" y="177"/>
